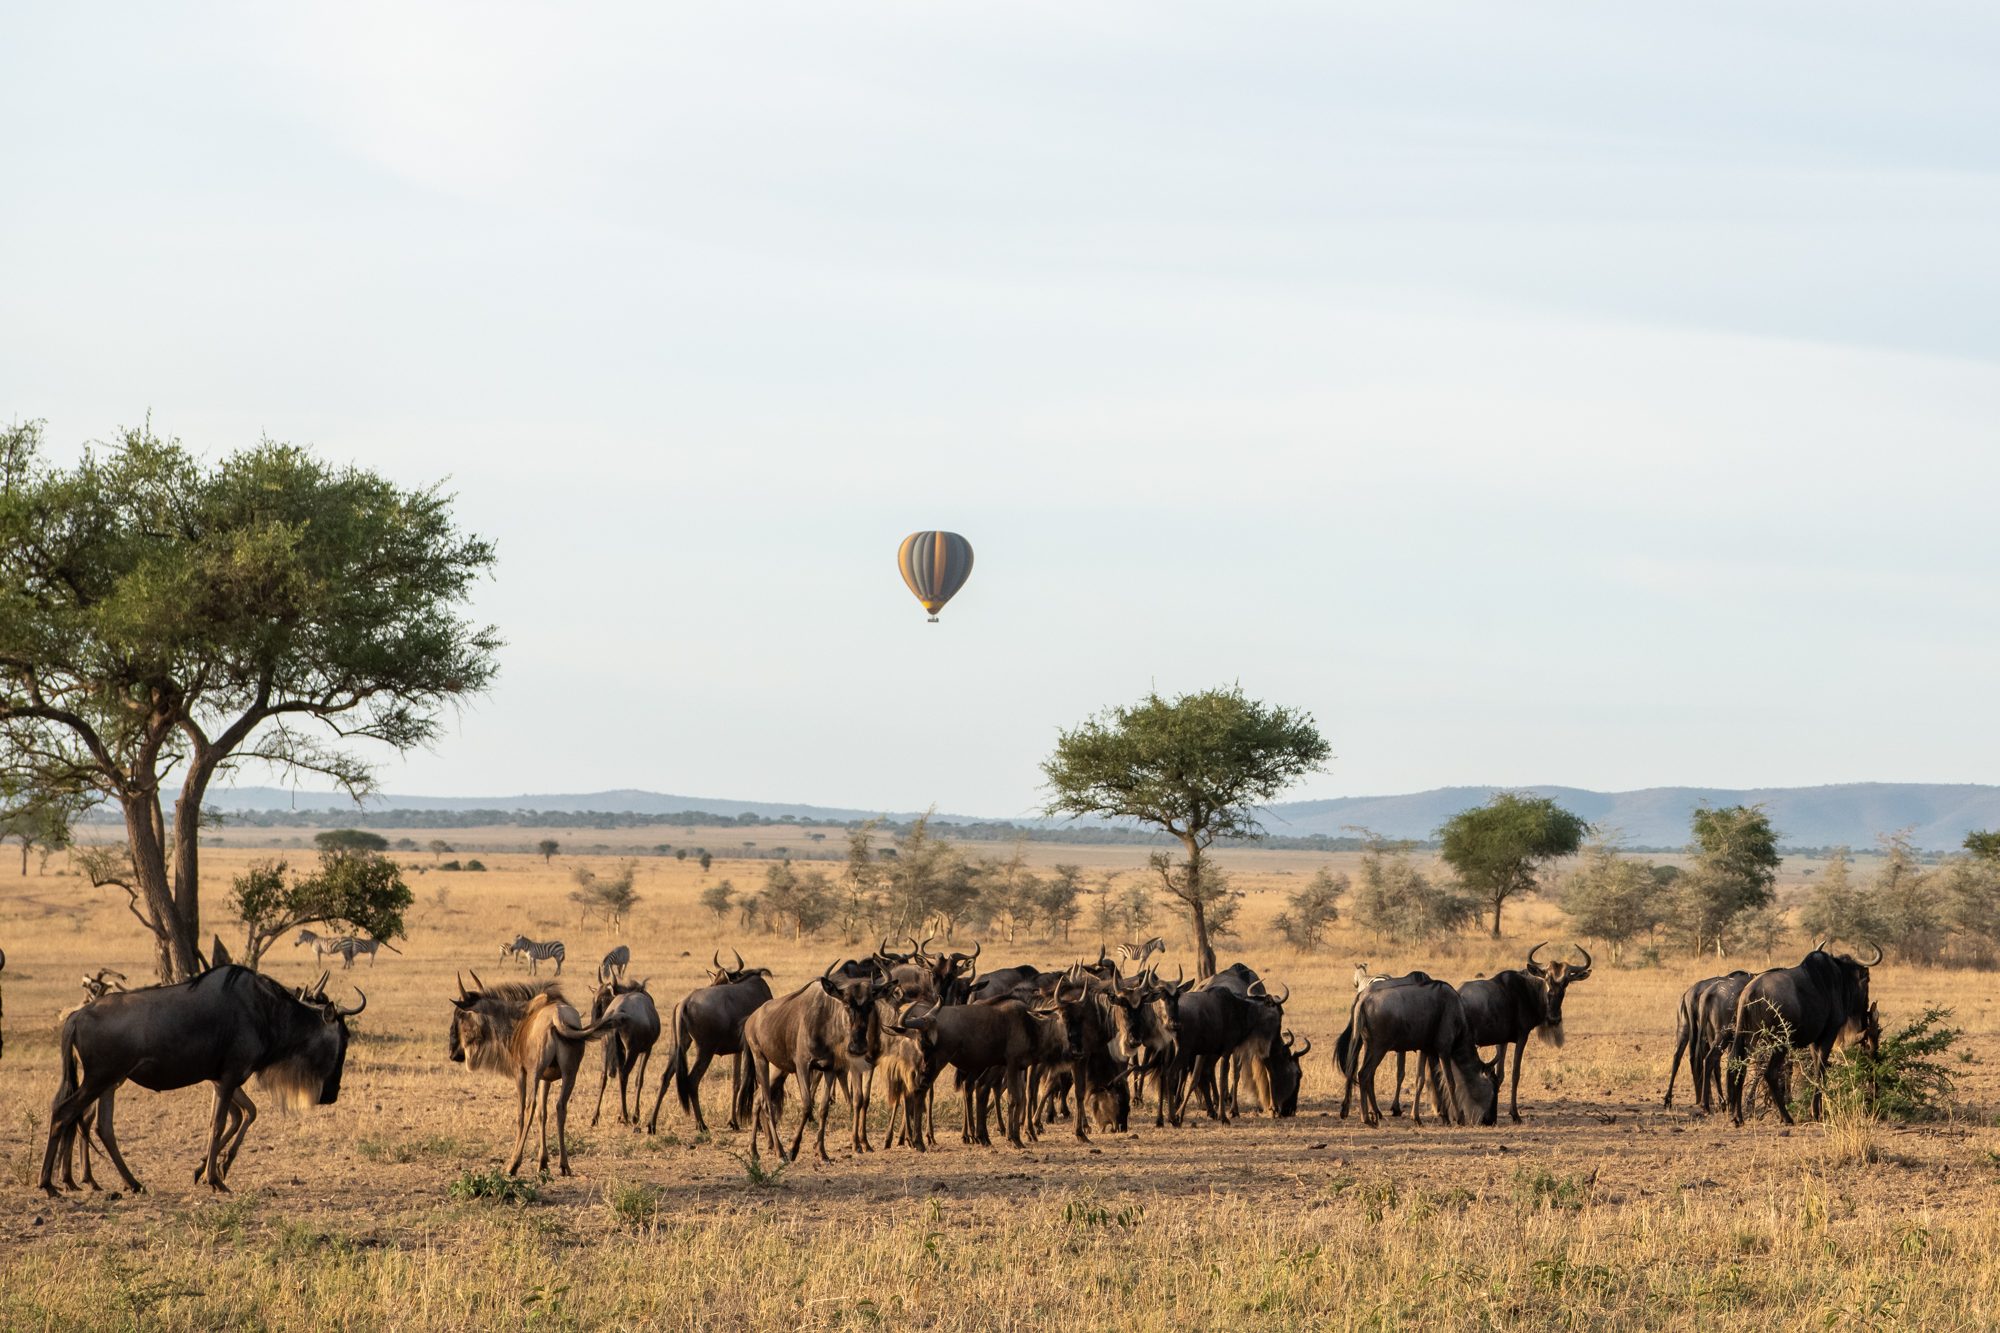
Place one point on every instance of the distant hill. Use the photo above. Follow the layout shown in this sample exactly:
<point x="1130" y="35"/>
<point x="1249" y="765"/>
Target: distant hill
<point x="1938" y="814"/>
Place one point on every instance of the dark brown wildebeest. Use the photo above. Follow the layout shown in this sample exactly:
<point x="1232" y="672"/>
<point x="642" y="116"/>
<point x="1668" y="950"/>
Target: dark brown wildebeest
<point x="989" y="1046"/>
<point x="1003" y="982"/>
<point x="1707" y="1011"/>
<point x="1097" y="1069"/>
<point x="1822" y="1001"/>
<point x="1212" y="1025"/>
<point x="1146" y="1015"/>
<point x="1505" y="1007"/>
<point x="624" y="1012"/>
<point x="712" y="1019"/>
<point x="224" y="1027"/>
<point x="1286" y="1061"/>
<point x="828" y="1028"/>
<point x="1427" y="1017"/>
<point x="525" y="1029"/>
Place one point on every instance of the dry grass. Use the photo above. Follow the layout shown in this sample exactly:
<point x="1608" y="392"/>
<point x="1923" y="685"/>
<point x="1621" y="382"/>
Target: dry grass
<point x="1601" y="1209"/>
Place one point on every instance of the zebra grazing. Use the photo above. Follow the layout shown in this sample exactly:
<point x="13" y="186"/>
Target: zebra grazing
<point x="356" y="946"/>
<point x="322" y="945"/>
<point x="535" y="952"/>
<point x="1137" y="954"/>
<point x="612" y="969"/>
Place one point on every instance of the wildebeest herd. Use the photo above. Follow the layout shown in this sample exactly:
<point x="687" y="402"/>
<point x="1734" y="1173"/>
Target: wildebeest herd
<point x="1025" y="1046"/>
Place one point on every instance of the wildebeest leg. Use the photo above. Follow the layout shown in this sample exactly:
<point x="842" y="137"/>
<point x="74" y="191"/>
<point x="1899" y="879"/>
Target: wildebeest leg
<point x="245" y="1113"/>
<point x="701" y="1062"/>
<point x="108" y="1136"/>
<point x="562" y="1120"/>
<point x="1821" y="1054"/>
<point x="1371" y="1110"/>
<point x="218" y="1121"/>
<point x="1396" y="1101"/>
<point x="1514" y="1089"/>
<point x="1077" y="1073"/>
<point x="832" y="1089"/>
<point x="1016" y="1086"/>
<point x="604" y="1076"/>
<point x="637" y="1069"/>
<point x="1681" y="1040"/>
<point x="1774" y="1083"/>
<point x="525" y="1119"/>
<point x="1417" y="1101"/>
<point x="803" y="1062"/>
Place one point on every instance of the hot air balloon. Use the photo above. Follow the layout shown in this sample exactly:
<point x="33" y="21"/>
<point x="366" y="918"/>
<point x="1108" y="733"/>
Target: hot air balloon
<point x="935" y="565"/>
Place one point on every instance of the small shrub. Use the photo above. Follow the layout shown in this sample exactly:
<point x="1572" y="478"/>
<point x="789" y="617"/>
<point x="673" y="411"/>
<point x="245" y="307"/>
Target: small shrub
<point x="451" y="865"/>
<point x="758" y="1174"/>
<point x="635" y="1205"/>
<point x="1539" y="1187"/>
<point x="1905" y="1079"/>
<point x="475" y="865"/>
<point x="497" y="1186"/>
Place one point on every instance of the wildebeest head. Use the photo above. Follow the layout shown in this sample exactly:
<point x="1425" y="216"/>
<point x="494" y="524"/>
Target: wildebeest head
<point x="858" y="997"/>
<point x="1073" y="996"/>
<point x="312" y="1073"/>
<point x="1848" y="976"/>
<point x="1284" y="1064"/>
<point x="483" y="1018"/>
<point x="718" y="975"/>
<point x="1556" y="979"/>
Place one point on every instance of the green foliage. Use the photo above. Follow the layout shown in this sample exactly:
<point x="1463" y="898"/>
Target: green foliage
<point x="1057" y="898"/>
<point x="497" y="1186"/>
<point x="350" y="840"/>
<point x="402" y="1150"/>
<point x="359" y="890"/>
<point x="1196" y="766"/>
<point x="715" y="898"/>
<point x="1398" y="902"/>
<point x="1539" y="1187"/>
<point x="763" y="1177"/>
<point x="1906" y="902"/>
<point x="806" y="900"/>
<point x="438" y="847"/>
<point x="1497" y="849"/>
<point x="1984" y="844"/>
<point x="1905" y="1078"/>
<point x="1837" y="909"/>
<point x="548" y="847"/>
<point x="475" y="865"/>
<point x="1613" y="898"/>
<point x="1310" y="911"/>
<point x="1736" y="861"/>
<point x="637" y="1205"/>
<point x="161" y="616"/>
<point x="706" y="862"/>
<point x="38" y="819"/>
<point x="613" y="895"/>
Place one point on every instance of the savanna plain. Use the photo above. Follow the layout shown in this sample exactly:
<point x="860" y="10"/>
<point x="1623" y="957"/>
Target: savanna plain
<point x="1601" y="1209"/>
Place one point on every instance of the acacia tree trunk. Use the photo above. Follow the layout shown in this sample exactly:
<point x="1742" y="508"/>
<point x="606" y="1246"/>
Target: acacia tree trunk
<point x="1204" y="952"/>
<point x="1497" y="900"/>
<point x="173" y="938"/>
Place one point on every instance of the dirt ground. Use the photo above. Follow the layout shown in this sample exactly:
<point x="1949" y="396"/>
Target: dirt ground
<point x="1600" y="1208"/>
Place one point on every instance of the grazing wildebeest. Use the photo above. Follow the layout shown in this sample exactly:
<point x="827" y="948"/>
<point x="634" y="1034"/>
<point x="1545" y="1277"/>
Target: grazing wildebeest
<point x="1505" y="1007"/>
<point x="1002" y="982"/>
<point x="1137" y="954"/>
<point x="612" y="966"/>
<point x="1707" y="1010"/>
<point x="534" y="953"/>
<point x="1286" y="1073"/>
<point x="712" y="1019"/>
<point x="625" y="1014"/>
<point x="527" y="1030"/>
<point x="1363" y="979"/>
<point x="224" y="1027"/>
<point x="1809" y="1007"/>
<point x="1426" y="1017"/>
<point x="322" y="945"/>
<point x="828" y="1028"/>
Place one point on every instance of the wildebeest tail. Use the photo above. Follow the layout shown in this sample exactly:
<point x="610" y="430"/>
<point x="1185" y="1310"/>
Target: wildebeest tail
<point x="684" y="1088"/>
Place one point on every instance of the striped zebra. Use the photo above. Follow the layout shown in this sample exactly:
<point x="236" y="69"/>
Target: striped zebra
<point x="614" y="965"/>
<point x="357" y="946"/>
<point x="322" y="945"/>
<point x="534" y="952"/>
<point x="1137" y="954"/>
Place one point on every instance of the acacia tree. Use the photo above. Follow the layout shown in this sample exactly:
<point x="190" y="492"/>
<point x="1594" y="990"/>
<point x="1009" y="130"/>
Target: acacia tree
<point x="1498" y="849"/>
<point x="40" y="820"/>
<point x="548" y="847"/>
<point x="1196" y="766"/>
<point x="1736" y="861"/>
<point x="163" y="620"/>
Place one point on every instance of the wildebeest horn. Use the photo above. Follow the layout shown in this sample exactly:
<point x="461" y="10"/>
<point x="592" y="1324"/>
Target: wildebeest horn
<point x="1586" y="955"/>
<point x="1301" y="1051"/>
<point x="1537" y="949"/>
<point x="1179" y="973"/>
<point x="345" y="1012"/>
<point x="739" y="957"/>
<point x="1256" y="988"/>
<point x="319" y="987"/>
<point x="1819" y="944"/>
<point x="463" y="993"/>
<point x="715" y="960"/>
<point x="1100" y="951"/>
<point x="1877" y="958"/>
<point x="1286" y="996"/>
<point x="975" y="951"/>
<point x="475" y="979"/>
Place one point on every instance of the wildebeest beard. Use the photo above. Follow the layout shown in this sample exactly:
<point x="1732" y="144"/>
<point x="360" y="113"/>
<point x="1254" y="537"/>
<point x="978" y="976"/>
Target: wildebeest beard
<point x="1552" y="1033"/>
<point x="302" y="1080"/>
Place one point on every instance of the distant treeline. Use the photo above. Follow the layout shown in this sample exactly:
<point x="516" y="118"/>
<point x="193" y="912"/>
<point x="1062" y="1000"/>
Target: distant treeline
<point x="984" y="831"/>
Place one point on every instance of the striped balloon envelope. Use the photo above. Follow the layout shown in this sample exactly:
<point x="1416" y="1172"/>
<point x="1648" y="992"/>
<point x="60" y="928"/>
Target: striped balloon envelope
<point x="935" y="565"/>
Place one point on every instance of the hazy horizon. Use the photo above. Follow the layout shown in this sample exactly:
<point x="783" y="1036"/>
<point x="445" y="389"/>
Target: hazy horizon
<point x="1527" y="391"/>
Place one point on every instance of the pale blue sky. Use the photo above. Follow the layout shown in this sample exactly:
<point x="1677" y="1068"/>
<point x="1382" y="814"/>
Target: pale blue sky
<point x="1591" y="394"/>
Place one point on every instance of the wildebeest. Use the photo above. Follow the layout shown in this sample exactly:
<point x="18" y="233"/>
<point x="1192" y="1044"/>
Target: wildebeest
<point x="224" y="1027"/>
<point x="526" y="1030"/>
<point x="1505" y="1007"/>
<point x="989" y="1046"/>
<point x="1002" y="982"/>
<point x="1703" y="1024"/>
<point x="624" y="1013"/>
<point x="1809" y="1007"/>
<point x="1415" y="1013"/>
<point x="1146" y="1016"/>
<point x="711" y="1018"/>
<point x="825" y="1029"/>
<point x="1254" y="1052"/>
<point x="1286" y="1061"/>
<point x="1211" y="1025"/>
<point x="534" y="953"/>
<point x="612" y="966"/>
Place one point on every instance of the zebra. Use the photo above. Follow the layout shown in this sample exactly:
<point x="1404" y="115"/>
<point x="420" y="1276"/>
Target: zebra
<point x="322" y="945"/>
<point x="357" y="945"/>
<point x="534" y="951"/>
<point x="1137" y="954"/>
<point x="101" y="982"/>
<point x="614" y="965"/>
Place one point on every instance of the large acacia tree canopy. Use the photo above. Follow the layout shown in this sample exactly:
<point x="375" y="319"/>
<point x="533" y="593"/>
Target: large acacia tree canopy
<point x="155" y="609"/>
<point x="1197" y="765"/>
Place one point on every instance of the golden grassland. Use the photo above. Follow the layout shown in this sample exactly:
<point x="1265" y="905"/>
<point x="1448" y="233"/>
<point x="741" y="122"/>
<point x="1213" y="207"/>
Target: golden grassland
<point x="1602" y="1209"/>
